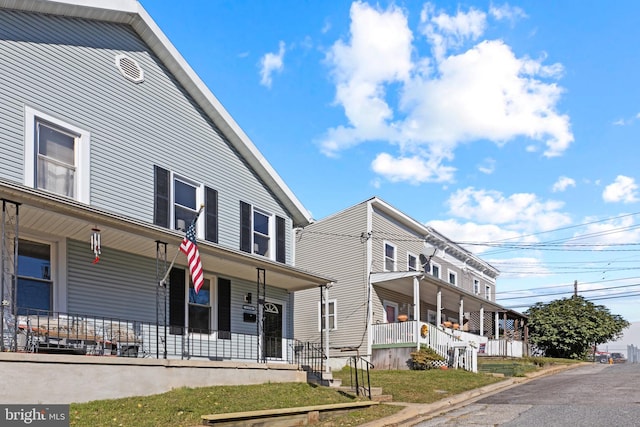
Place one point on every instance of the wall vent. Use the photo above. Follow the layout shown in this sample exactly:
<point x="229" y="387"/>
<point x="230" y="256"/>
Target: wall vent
<point x="130" y="68"/>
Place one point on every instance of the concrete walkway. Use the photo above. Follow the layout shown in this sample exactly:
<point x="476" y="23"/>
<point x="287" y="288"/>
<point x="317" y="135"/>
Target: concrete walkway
<point x="416" y="412"/>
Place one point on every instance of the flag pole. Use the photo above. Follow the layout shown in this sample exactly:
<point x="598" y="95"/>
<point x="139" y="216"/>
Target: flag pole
<point x="163" y="282"/>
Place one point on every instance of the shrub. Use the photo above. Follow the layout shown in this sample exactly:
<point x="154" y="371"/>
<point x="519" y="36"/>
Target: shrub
<point x="424" y="358"/>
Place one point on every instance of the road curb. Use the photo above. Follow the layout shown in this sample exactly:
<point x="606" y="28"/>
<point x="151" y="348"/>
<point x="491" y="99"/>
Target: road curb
<point x="415" y="412"/>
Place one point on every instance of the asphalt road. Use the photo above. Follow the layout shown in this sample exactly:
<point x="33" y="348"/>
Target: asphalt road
<point x="593" y="395"/>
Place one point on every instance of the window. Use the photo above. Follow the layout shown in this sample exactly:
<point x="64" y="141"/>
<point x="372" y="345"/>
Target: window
<point x="257" y="231"/>
<point x="185" y="203"/>
<point x="412" y="262"/>
<point x="487" y="292"/>
<point x="476" y="286"/>
<point x="177" y="200"/>
<point x="453" y="278"/>
<point x="56" y="156"/>
<point x="389" y="257"/>
<point x="333" y="315"/>
<point x="35" y="287"/>
<point x="435" y="270"/>
<point x="200" y="308"/>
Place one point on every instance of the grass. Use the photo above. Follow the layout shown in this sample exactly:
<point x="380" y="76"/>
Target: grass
<point x="184" y="406"/>
<point x="518" y="367"/>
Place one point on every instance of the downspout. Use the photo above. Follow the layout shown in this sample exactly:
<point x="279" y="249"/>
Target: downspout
<point x="369" y="260"/>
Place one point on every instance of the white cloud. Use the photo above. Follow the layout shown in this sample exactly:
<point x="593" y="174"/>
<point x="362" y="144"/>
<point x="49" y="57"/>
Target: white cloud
<point x="507" y="12"/>
<point x="271" y="63"/>
<point x="471" y="232"/>
<point x="615" y="232"/>
<point x="519" y="211"/>
<point x="562" y="184"/>
<point x="467" y="90"/>
<point x="488" y="166"/>
<point x="623" y="189"/>
<point x="521" y="267"/>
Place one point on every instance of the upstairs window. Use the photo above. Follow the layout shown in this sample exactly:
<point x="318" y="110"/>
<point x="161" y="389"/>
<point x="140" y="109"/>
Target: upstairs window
<point x="56" y="156"/>
<point x="435" y="270"/>
<point x="453" y="278"/>
<point x="177" y="200"/>
<point x="412" y="262"/>
<point x="476" y="286"/>
<point x="487" y="292"/>
<point x="262" y="233"/>
<point x="389" y="257"/>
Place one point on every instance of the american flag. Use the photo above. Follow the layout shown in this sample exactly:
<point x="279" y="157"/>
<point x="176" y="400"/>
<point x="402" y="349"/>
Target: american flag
<point x="190" y="249"/>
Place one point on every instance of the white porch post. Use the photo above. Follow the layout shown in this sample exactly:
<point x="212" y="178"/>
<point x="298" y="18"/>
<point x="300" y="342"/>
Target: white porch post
<point x="439" y="307"/>
<point x="461" y="312"/>
<point x="497" y="325"/>
<point x="326" y="324"/>
<point x="482" y="320"/>
<point x="416" y="310"/>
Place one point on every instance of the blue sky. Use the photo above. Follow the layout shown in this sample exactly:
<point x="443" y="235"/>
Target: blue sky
<point x="509" y="127"/>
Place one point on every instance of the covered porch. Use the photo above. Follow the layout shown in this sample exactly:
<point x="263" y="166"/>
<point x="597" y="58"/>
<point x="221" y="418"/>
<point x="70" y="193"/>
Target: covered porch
<point x="451" y="317"/>
<point x="116" y="305"/>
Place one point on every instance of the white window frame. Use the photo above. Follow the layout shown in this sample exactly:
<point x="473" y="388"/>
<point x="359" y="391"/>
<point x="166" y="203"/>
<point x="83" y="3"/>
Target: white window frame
<point x="409" y="255"/>
<point x="432" y="317"/>
<point x="272" y="232"/>
<point x="82" y="150"/>
<point x="335" y="315"/>
<point x="384" y="256"/>
<point x="454" y="274"/>
<point x="436" y="265"/>
<point x="476" y="286"/>
<point x="487" y="292"/>
<point x="172" y="204"/>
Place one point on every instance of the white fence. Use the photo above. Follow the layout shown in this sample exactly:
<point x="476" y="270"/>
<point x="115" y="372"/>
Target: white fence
<point x="459" y="353"/>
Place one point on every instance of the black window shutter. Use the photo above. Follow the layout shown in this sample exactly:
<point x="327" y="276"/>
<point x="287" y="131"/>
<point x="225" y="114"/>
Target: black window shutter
<point x="211" y="214"/>
<point x="161" y="197"/>
<point x="176" y="301"/>
<point x="224" y="309"/>
<point x="281" y="243"/>
<point x="245" y="227"/>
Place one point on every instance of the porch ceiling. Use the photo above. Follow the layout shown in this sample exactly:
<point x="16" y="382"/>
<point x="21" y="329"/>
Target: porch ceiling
<point x="402" y="282"/>
<point x="47" y="216"/>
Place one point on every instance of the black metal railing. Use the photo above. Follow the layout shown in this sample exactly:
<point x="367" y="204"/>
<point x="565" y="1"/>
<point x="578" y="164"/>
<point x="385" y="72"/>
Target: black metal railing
<point x="359" y="375"/>
<point x="310" y="357"/>
<point x="56" y="332"/>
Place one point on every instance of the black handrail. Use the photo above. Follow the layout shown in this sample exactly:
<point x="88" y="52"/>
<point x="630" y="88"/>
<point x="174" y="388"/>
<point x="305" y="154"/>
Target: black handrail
<point x="362" y="384"/>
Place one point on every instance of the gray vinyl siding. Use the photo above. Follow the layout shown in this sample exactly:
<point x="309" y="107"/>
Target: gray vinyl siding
<point x="64" y="67"/>
<point x="123" y="288"/>
<point x="333" y="247"/>
<point x="380" y="295"/>
<point x="388" y="230"/>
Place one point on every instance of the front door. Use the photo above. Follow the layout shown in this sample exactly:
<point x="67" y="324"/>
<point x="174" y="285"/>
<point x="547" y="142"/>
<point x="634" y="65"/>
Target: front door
<point x="272" y="330"/>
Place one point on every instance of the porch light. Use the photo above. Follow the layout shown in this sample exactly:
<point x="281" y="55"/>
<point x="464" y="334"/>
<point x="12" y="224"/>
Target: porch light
<point x="95" y="244"/>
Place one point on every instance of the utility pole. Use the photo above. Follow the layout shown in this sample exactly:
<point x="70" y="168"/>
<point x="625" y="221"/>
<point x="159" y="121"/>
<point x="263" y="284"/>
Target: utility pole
<point x="575" y="288"/>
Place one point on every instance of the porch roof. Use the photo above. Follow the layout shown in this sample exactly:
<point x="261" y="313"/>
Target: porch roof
<point x="45" y="214"/>
<point x="402" y="282"/>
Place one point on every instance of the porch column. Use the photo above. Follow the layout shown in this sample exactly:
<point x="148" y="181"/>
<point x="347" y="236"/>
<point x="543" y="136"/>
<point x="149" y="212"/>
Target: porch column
<point x="439" y="307"/>
<point x="416" y="310"/>
<point x="461" y="312"/>
<point x="497" y="325"/>
<point x="482" y="320"/>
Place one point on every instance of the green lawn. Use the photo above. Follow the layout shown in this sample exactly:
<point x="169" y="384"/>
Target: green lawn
<point x="184" y="406"/>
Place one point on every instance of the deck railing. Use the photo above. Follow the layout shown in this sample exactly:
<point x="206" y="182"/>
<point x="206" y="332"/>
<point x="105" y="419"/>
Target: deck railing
<point x="65" y="333"/>
<point x="459" y="353"/>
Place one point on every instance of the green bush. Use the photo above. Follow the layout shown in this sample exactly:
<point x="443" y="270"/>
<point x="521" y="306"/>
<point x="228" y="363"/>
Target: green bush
<point x="424" y="358"/>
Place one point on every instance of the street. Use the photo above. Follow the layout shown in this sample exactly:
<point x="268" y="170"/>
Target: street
<point x="593" y="395"/>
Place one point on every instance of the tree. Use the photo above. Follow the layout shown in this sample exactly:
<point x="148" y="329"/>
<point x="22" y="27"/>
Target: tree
<point x="569" y="327"/>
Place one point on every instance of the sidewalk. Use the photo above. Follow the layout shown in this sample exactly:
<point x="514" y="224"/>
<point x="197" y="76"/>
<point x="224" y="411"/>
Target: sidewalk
<point x="416" y="412"/>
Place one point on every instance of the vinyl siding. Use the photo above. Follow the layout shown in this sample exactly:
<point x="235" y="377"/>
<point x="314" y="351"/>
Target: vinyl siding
<point x="388" y="230"/>
<point x="333" y="247"/>
<point x="65" y="67"/>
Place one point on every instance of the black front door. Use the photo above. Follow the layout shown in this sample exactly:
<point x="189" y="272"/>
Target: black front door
<point x="273" y="330"/>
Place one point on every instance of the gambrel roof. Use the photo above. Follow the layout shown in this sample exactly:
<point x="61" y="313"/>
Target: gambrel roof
<point x="131" y="12"/>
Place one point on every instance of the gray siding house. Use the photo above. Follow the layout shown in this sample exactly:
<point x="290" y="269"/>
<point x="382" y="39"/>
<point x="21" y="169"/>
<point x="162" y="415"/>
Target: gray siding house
<point x="110" y="145"/>
<point x="399" y="284"/>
